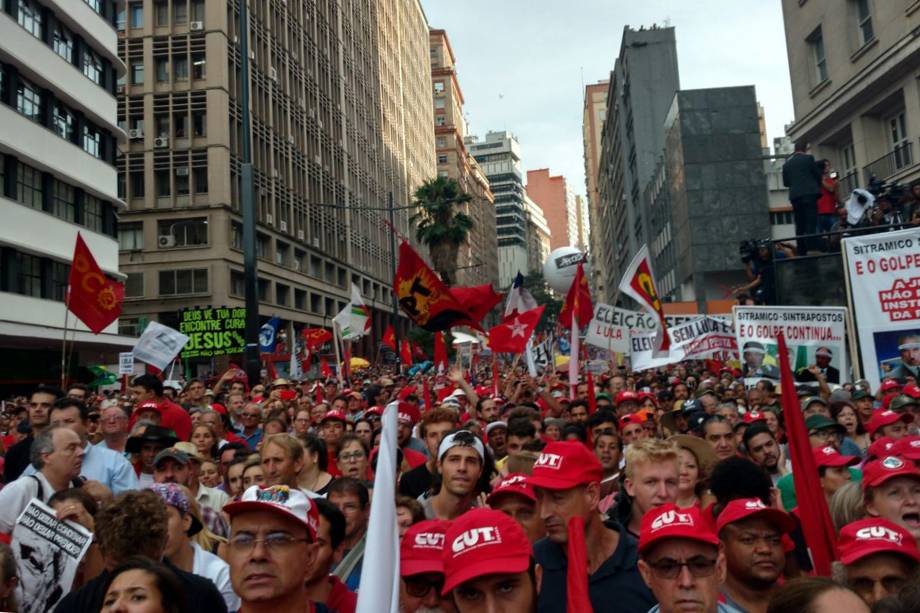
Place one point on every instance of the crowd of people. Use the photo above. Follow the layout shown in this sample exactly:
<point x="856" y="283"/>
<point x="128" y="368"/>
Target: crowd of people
<point x="221" y="496"/>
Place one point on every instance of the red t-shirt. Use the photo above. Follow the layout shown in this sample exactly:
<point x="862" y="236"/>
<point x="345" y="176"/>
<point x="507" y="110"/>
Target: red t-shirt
<point x="341" y="599"/>
<point x="827" y="202"/>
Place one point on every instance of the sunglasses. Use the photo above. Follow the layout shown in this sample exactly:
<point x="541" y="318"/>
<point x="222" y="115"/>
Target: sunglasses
<point x="419" y="587"/>
<point x="669" y="568"/>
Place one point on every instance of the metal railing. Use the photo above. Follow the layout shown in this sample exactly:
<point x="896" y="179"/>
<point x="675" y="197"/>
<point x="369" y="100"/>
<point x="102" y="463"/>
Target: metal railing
<point x="849" y="182"/>
<point x="890" y="163"/>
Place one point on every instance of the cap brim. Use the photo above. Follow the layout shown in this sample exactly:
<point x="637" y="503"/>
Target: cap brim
<point x="235" y="508"/>
<point x="843" y="460"/>
<point x="494" y="566"/>
<point x="700" y="537"/>
<point x="781" y="519"/>
<point x="407" y="568"/>
<point x="888" y="476"/>
<point x="854" y="556"/>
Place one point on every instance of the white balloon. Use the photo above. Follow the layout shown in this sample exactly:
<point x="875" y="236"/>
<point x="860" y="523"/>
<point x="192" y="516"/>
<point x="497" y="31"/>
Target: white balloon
<point x="560" y="267"/>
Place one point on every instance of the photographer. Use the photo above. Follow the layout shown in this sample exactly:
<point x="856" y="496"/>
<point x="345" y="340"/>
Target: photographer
<point x="758" y="260"/>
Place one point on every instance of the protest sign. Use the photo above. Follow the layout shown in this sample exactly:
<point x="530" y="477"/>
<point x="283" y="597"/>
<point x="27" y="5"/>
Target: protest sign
<point x="213" y="332"/>
<point x="815" y="336"/>
<point x="47" y="552"/>
<point x="159" y="345"/>
<point x="701" y="337"/>
<point x="126" y="363"/>
<point x="883" y="271"/>
<point x="611" y="327"/>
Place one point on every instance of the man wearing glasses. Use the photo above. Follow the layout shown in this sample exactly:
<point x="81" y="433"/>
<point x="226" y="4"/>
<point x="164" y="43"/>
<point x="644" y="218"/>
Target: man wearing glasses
<point x="681" y="561"/>
<point x="421" y="567"/>
<point x="251" y="418"/>
<point x="272" y="548"/>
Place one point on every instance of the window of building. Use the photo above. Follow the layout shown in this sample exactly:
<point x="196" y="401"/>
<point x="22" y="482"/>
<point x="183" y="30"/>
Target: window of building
<point x="816" y="42"/>
<point x="198" y="66"/>
<point x="63" y="201"/>
<point x="236" y="236"/>
<point x="30" y="17"/>
<point x="60" y="273"/>
<point x="282" y="294"/>
<point x="92" y="213"/>
<point x="299" y="261"/>
<point x="182" y="182"/>
<point x="135" y="14"/>
<point x="439" y="87"/>
<point x="92" y="66"/>
<point x="29" y="100"/>
<point x="199" y="123"/>
<point x="62" y="42"/>
<point x="443" y="174"/>
<point x="440" y="120"/>
<point x="29" y="186"/>
<point x="161" y="125"/>
<point x="120" y="17"/>
<point x="441" y="142"/>
<point x="197" y="10"/>
<point x="134" y="285"/>
<point x="137" y="184"/>
<point x="440" y="103"/>
<point x="300" y="299"/>
<point x="200" y="178"/>
<point x="237" y="284"/>
<point x="180" y="282"/>
<point x="442" y="158"/>
<point x="263" y="245"/>
<point x="92" y="140"/>
<point x="180" y="12"/>
<point x="162" y="181"/>
<point x="30" y="274"/>
<point x="184" y="232"/>
<point x="263" y="289"/>
<point x="864" y="22"/>
<point x="180" y="125"/>
<point x="180" y="68"/>
<point x="131" y="236"/>
<point x="160" y="66"/>
<point x="281" y="253"/>
<point x="96" y="5"/>
<point x="161" y="13"/>
<point x="137" y="73"/>
<point x="63" y="121"/>
<point x="900" y="143"/>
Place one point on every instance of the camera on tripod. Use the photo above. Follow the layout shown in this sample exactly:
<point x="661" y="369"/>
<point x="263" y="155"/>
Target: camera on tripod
<point x="750" y="249"/>
<point x="892" y="192"/>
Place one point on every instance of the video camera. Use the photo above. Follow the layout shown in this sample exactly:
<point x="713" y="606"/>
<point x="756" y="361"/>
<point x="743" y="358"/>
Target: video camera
<point x="748" y="249"/>
<point x="893" y="192"/>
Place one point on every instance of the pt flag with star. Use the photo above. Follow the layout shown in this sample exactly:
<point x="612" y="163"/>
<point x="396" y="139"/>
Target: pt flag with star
<point x="512" y="334"/>
<point x="639" y="284"/>
<point x="389" y="337"/>
<point x="92" y="296"/>
<point x="425" y="298"/>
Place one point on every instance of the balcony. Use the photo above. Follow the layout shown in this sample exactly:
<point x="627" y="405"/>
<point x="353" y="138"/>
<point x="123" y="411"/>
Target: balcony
<point x="890" y="163"/>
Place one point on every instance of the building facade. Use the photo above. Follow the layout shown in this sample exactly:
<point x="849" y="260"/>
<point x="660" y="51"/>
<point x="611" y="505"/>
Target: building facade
<point x="641" y="88"/>
<point x="554" y="195"/>
<point x="708" y="193"/>
<point x="539" y="236"/>
<point x="499" y="155"/>
<point x="58" y="71"/>
<point x="477" y="261"/>
<point x="582" y="240"/>
<point x="594" y="113"/>
<point x="854" y="67"/>
<point x="341" y="119"/>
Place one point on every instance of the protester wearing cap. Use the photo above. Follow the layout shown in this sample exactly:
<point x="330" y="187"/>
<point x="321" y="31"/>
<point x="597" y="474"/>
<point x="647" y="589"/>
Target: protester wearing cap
<point x="680" y="561"/>
<point x="889" y="424"/>
<point x="149" y="410"/>
<point x="489" y="565"/>
<point x="566" y="479"/>
<point x="210" y="500"/>
<point x="907" y="448"/>
<point x="862" y="400"/>
<point x="627" y="401"/>
<point x="146" y="442"/>
<point x="421" y="567"/>
<point x="752" y="537"/>
<point x="833" y="469"/>
<point x="891" y="490"/>
<point x="184" y="553"/>
<point x="515" y="497"/>
<point x="497" y="436"/>
<point x="463" y="471"/>
<point x="332" y="429"/>
<point x="272" y="548"/>
<point x="171" y="466"/>
<point x="407" y="415"/>
<point x="632" y="428"/>
<point x="904" y="403"/>
<point x="823" y="431"/>
<point x="878" y="557"/>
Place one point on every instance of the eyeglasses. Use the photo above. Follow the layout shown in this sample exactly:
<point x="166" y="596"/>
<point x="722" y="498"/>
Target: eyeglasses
<point x="251" y="415"/>
<point x="419" y="587"/>
<point x="699" y="567"/>
<point x="348" y="457"/>
<point x="274" y="542"/>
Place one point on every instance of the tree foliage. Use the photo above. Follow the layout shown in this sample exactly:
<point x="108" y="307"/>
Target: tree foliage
<point x="536" y="285"/>
<point x="440" y="226"/>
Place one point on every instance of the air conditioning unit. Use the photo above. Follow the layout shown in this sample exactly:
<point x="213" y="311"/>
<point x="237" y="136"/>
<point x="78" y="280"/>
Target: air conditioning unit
<point x="252" y="54"/>
<point x="135" y="134"/>
<point x="316" y="242"/>
<point x="269" y="219"/>
<point x="166" y="240"/>
<point x="282" y="225"/>
<point x="300" y="235"/>
<point x="272" y="73"/>
<point x="161" y="141"/>
<point x="196" y="26"/>
<point x="182" y="171"/>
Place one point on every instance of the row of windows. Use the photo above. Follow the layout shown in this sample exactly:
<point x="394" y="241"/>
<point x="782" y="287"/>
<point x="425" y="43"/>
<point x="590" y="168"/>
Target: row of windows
<point x="180" y="68"/>
<point x="31" y="275"/>
<point x="171" y="233"/>
<point x="44" y="192"/>
<point x="133" y="15"/>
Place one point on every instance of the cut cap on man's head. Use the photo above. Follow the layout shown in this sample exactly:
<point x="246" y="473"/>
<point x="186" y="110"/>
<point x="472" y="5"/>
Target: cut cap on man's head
<point x="744" y="508"/>
<point x="866" y="537"/>
<point x="513" y="484"/>
<point x="483" y="542"/>
<point x="563" y="465"/>
<point x="672" y="522"/>
<point x="421" y="548"/>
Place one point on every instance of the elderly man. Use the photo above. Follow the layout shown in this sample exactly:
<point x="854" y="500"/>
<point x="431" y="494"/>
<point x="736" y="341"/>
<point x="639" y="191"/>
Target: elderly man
<point x="421" y="567"/>
<point x="879" y="558"/>
<point x="909" y="347"/>
<point x="114" y="425"/>
<point x="681" y="562"/>
<point x="272" y="548"/>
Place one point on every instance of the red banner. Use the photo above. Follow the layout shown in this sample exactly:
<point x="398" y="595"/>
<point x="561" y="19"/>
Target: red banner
<point x="92" y="296"/>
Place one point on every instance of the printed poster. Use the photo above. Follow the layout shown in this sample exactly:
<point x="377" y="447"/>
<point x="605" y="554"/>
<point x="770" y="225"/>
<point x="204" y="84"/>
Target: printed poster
<point x="698" y="338"/>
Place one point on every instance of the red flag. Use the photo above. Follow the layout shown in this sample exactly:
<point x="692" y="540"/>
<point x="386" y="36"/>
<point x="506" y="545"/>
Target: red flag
<point x="314" y="337"/>
<point x="92" y="296"/>
<point x="418" y="352"/>
<point x="389" y="337"/>
<point x="592" y="399"/>
<point x="578" y="301"/>
<point x="324" y="369"/>
<point x="477" y="300"/>
<point x="820" y="536"/>
<point x="424" y="297"/>
<point x="494" y="375"/>
<point x="405" y="354"/>
<point x="576" y="575"/>
<point x="639" y="284"/>
<point x="346" y="361"/>
<point x="511" y="335"/>
<point x="440" y="352"/>
<point x="318" y="390"/>
<point x="426" y="393"/>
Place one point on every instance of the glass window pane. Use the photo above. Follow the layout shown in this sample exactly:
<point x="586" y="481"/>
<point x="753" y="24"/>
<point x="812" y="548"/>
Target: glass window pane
<point x="184" y="282"/>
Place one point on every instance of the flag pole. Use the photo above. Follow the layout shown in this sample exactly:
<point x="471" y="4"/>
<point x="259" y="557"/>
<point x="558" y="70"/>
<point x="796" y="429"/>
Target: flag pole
<point x="64" y="339"/>
<point x="338" y="355"/>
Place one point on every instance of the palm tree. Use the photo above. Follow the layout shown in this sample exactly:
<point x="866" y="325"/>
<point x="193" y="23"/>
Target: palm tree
<point x="439" y="225"/>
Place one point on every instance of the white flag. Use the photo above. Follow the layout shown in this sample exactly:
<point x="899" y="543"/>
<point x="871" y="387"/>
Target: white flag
<point x="380" y="581"/>
<point x="159" y="345"/>
<point x="354" y="321"/>
<point x="295" y="370"/>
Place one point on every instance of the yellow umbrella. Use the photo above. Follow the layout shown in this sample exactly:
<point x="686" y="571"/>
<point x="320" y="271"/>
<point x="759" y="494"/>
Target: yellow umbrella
<point x="358" y="363"/>
<point x="562" y="360"/>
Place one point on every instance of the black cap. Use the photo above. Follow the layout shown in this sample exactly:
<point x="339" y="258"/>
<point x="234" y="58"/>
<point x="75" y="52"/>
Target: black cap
<point x="153" y="434"/>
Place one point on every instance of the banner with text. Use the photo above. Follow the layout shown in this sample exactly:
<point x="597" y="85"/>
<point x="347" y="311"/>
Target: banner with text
<point x="884" y="274"/>
<point x="213" y="332"/>
<point x="816" y="337"/>
<point x="698" y="338"/>
<point x="612" y="327"/>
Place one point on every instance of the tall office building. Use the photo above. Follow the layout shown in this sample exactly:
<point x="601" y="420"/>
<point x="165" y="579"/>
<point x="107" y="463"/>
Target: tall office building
<point x="642" y="86"/>
<point x="58" y="69"/>
<point x="584" y="223"/>
<point x="854" y="68"/>
<point x="594" y="113"/>
<point x="341" y="115"/>
<point x="499" y="154"/>
<point x="539" y="237"/>
<point x="478" y="258"/>
<point x="555" y="197"/>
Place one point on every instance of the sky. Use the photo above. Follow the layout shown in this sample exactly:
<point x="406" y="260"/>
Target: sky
<point x="522" y="64"/>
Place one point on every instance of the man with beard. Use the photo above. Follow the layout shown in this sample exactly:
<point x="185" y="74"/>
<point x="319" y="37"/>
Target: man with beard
<point x="421" y="569"/>
<point x="752" y="538"/>
<point x="461" y="465"/>
<point x="762" y="447"/>
<point x="909" y="348"/>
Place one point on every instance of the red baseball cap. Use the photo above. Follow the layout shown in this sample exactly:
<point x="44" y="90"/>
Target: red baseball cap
<point x="406" y="392"/>
<point x="219" y="408"/>
<point x="514" y="483"/>
<point x="563" y="465"/>
<point x="149" y="405"/>
<point x="670" y="521"/>
<point x="865" y="537"/>
<point x="880" y="419"/>
<point x="880" y="447"/>
<point x="912" y="390"/>
<point x="483" y="542"/>
<point x="632" y="418"/>
<point x="421" y="548"/>
<point x="407" y="413"/>
<point x="907" y="447"/>
<point x="888" y="385"/>
<point x="375" y="410"/>
<point x="879" y="471"/>
<point x="334" y="414"/>
<point x="753" y="416"/>
<point x="828" y="456"/>
<point x="743" y="508"/>
<point x="627" y="396"/>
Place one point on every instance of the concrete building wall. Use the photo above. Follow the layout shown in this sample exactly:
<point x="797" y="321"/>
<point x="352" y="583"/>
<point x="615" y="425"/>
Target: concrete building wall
<point x="594" y="113"/>
<point x="555" y="198"/>
<point x="539" y="236"/>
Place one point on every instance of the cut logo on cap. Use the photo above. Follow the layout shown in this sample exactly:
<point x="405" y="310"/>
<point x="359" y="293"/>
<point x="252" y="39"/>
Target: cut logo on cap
<point x="878" y="533"/>
<point x="429" y="540"/>
<point x="475" y="538"/>
<point x="515" y="480"/>
<point x="892" y="463"/>
<point x="828" y="451"/>
<point x="672" y="518"/>
<point x="754" y="505"/>
<point x="549" y="460"/>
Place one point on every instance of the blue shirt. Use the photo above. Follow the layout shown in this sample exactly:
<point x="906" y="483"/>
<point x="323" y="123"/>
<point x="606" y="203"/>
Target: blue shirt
<point x="253" y="439"/>
<point x="108" y="467"/>
<point x="616" y="585"/>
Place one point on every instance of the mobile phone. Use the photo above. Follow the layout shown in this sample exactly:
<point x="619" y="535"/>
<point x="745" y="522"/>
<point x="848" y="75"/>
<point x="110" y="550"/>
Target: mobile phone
<point x="833" y="174"/>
